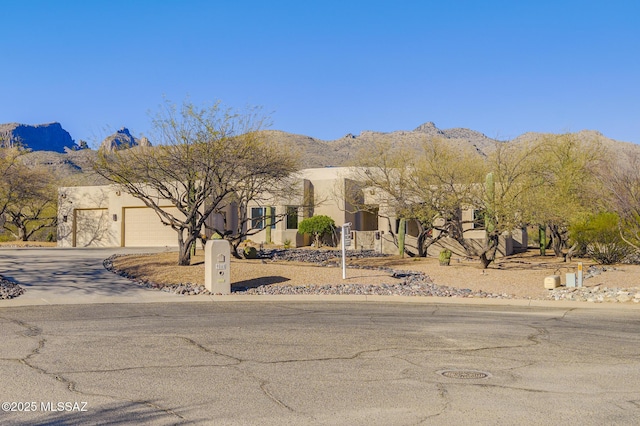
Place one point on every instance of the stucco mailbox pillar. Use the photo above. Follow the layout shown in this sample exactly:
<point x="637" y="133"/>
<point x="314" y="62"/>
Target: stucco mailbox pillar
<point x="217" y="271"/>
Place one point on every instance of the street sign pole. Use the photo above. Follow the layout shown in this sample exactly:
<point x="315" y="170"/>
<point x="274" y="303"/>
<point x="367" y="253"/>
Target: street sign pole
<point x="345" y="241"/>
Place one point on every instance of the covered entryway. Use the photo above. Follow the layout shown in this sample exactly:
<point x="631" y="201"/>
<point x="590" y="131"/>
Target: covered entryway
<point x="143" y="228"/>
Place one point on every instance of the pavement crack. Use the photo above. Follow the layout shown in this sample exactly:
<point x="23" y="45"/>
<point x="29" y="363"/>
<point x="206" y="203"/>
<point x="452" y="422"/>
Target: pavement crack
<point x="485" y="385"/>
<point x="210" y="351"/>
<point x="145" y="367"/>
<point x="31" y="330"/>
<point x="34" y="331"/>
<point x="263" y="388"/>
<point x="157" y="407"/>
<point x="443" y="394"/>
<point x="72" y="386"/>
<point x="537" y="338"/>
<point x="332" y="358"/>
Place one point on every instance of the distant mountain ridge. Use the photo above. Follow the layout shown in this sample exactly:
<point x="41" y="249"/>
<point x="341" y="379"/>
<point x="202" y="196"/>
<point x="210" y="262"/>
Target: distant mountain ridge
<point x="75" y="164"/>
<point x="342" y="151"/>
<point x="39" y="137"/>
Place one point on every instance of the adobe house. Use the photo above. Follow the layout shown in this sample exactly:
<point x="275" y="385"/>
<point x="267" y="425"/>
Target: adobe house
<point x="104" y="216"/>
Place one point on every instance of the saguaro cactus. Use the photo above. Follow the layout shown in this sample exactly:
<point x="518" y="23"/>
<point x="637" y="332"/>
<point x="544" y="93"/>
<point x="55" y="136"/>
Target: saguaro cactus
<point x="542" y="234"/>
<point x="268" y="220"/>
<point x="401" y="236"/>
<point x="489" y="221"/>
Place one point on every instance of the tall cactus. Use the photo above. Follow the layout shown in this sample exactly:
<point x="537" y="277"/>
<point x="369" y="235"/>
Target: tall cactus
<point x="489" y="220"/>
<point x="542" y="234"/>
<point x="268" y="221"/>
<point x="401" y="236"/>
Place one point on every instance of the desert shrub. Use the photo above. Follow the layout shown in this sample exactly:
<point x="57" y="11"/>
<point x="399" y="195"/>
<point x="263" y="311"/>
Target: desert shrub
<point x="317" y="226"/>
<point x="250" y="252"/>
<point x="599" y="238"/>
<point x="445" y="256"/>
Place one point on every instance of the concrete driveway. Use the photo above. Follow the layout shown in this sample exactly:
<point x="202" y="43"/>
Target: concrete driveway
<point x="72" y="276"/>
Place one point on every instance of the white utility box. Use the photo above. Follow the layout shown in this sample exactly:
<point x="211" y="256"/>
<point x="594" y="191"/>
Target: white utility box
<point x="551" y="282"/>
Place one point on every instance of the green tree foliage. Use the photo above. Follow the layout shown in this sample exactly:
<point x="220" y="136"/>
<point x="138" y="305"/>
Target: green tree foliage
<point x="599" y="237"/>
<point x="208" y="160"/>
<point x="317" y="226"/>
<point x="565" y="185"/>
<point x="503" y="196"/>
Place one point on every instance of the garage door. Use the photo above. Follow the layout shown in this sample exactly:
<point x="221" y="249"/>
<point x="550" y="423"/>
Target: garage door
<point x="91" y="228"/>
<point x="142" y="228"/>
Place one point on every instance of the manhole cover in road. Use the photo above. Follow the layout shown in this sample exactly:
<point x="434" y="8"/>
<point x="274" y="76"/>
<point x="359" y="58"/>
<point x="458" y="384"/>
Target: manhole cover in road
<point x="464" y="374"/>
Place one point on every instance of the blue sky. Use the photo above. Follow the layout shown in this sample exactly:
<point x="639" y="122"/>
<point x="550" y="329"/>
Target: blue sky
<point x="326" y="68"/>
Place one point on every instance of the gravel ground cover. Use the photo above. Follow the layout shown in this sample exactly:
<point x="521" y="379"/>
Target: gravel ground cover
<point x="9" y="289"/>
<point x="318" y="272"/>
<point x="308" y="272"/>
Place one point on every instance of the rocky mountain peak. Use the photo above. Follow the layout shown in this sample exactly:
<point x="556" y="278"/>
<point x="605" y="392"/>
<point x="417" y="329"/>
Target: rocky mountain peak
<point x="38" y="137"/>
<point x="123" y="139"/>
<point x="429" y="128"/>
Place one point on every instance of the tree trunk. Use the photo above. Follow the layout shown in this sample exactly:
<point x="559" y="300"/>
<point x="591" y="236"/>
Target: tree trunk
<point x="234" y="248"/>
<point x="184" y="253"/>
<point x="488" y="255"/>
<point x="22" y="233"/>
<point x="557" y="242"/>
<point x="184" y="249"/>
<point x="571" y="252"/>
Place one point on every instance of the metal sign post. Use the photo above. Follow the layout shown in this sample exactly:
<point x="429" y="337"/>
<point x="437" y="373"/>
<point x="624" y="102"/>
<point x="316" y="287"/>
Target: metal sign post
<point x="345" y="241"/>
<point x="579" y="274"/>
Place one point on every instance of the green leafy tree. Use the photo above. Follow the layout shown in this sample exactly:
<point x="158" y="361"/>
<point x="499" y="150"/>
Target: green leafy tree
<point x="565" y="187"/>
<point x="503" y="196"/>
<point x="317" y="226"/>
<point x="599" y="237"/>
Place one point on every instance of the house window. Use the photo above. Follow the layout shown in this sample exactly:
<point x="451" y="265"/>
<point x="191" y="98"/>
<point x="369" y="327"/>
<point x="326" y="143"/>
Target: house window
<point x="259" y="216"/>
<point x="292" y="217"/>
<point x="478" y="219"/>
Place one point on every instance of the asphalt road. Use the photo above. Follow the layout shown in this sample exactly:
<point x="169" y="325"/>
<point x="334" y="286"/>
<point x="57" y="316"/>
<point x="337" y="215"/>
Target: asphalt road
<point x="293" y="363"/>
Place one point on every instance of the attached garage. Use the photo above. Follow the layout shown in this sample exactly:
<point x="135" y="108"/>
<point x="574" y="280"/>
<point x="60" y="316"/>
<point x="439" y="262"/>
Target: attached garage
<point x="142" y="228"/>
<point x="91" y="228"/>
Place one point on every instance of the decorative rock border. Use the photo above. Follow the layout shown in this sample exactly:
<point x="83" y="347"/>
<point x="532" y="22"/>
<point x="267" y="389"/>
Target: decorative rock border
<point x="9" y="289"/>
<point x="596" y="294"/>
<point x="412" y="284"/>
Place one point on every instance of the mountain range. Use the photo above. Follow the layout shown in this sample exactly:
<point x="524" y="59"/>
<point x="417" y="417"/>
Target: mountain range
<point x="72" y="164"/>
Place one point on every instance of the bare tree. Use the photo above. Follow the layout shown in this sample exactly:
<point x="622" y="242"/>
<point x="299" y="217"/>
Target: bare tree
<point x="623" y="185"/>
<point x="428" y="184"/>
<point x="32" y="202"/>
<point x="204" y="158"/>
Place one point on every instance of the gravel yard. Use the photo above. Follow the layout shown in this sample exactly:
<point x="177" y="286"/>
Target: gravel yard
<point x="304" y="271"/>
<point x="307" y="271"/>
